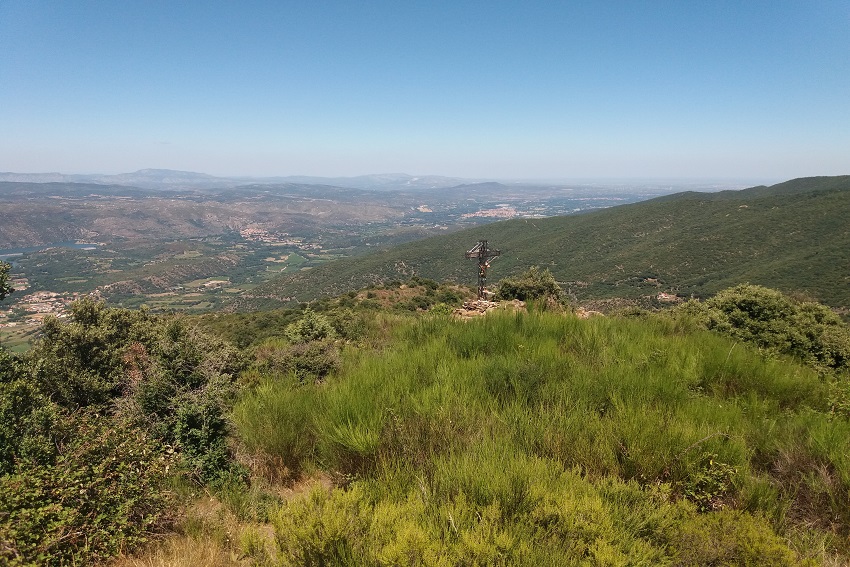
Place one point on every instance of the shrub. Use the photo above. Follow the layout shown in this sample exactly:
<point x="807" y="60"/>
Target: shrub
<point x="78" y="363"/>
<point x="347" y="324"/>
<point x="441" y="309"/>
<point x="89" y="422"/>
<point x="729" y="537"/>
<point x="449" y="297"/>
<point x="424" y="282"/>
<point x="18" y="400"/>
<point x="311" y="327"/>
<point x="533" y="284"/>
<point x="461" y="436"/>
<point x="27" y="423"/>
<point x="147" y="366"/>
<point x="419" y="302"/>
<point x="200" y="433"/>
<point x="777" y="324"/>
<point x="102" y="492"/>
<point x="537" y="515"/>
<point x="709" y="482"/>
<point x="5" y="285"/>
<point x="276" y="420"/>
<point x="308" y="361"/>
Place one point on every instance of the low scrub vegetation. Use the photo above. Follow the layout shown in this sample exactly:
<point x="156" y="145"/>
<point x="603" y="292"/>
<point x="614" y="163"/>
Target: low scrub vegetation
<point x="95" y="420"/>
<point x="716" y="433"/>
<point x="533" y="284"/>
<point x="777" y="323"/>
<point x="544" y="439"/>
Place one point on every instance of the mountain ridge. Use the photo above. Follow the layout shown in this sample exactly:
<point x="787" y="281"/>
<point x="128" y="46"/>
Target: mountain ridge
<point x="792" y="236"/>
<point x="157" y="178"/>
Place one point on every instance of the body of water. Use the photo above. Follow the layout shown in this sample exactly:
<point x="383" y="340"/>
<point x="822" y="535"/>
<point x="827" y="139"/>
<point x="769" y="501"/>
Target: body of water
<point x="12" y="252"/>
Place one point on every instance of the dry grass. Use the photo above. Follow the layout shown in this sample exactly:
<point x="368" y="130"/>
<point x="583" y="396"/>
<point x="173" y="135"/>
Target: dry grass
<point x="210" y="535"/>
<point x="183" y="551"/>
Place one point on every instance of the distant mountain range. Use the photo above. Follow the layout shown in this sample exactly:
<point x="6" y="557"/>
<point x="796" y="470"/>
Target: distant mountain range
<point x="168" y="179"/>
<point x="794" y="236"/>
<point x="187" y="180"/>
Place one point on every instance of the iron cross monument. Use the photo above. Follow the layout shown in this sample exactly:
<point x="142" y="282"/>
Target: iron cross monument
<point x="484" y="253"/>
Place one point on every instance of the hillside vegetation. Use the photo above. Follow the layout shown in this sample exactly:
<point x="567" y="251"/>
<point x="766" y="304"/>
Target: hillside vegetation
<point x="377" y="428"/>
<point x="542" y="439"/>
<point x="792" y="236"/>
<point x="96" y="423"/>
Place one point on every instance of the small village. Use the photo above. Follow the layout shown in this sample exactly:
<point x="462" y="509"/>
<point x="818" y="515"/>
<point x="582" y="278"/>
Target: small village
<point x="36" y="305"/>
<point x="502" y="211"/>
<point x="254" y="234"/>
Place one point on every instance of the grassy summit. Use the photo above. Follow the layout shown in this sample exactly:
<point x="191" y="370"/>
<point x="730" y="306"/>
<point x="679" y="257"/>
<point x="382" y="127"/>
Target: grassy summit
<point x="366" y="431"/>
<point x="793" y="236"/>
<point x="543" y="439"/>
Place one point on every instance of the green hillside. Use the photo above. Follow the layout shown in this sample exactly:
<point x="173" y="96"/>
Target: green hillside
<point x="794" y="236"/>
<point x="543" y="439"/>
<point x="361" y="432"/>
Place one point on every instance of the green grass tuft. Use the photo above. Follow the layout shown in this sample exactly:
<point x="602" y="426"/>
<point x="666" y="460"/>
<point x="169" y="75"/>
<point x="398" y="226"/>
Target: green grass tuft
<point x="518" y="437"/>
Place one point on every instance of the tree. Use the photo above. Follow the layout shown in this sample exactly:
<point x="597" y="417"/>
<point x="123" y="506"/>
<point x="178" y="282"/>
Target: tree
<point x="5" y="286"/>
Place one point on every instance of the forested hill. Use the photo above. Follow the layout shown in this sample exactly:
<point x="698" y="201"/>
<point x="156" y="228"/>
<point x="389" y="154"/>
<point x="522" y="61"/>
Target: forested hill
<point x="793" y="236"/>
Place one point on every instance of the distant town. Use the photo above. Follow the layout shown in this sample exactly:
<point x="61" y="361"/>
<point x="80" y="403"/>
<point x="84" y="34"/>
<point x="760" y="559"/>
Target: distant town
<point x="35" y="306"/>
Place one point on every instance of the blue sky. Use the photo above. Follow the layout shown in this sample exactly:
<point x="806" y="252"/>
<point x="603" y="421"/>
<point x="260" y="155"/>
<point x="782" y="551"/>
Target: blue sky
<point x="554" y="90"/>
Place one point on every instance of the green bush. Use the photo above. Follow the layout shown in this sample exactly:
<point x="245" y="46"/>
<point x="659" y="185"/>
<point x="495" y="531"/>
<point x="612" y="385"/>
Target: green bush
<point x="78" y="363"/>
<point x="348" y="324"/>
<point x="27" y="417"/>
<point x="532" y="514"/>
<point x="27" y="425"/>
<point x="247" y="329"/>
<point x="419" y="303"/>
<point x="428" y="284"/>
<point x="94" y="420"/>
<point x="777" y="324"/>
<point x="200" y="434"/>
<point x="449" y="297"/>
<point x="307" y="361"/>
<point x="441" y="309"/>
<point x="709" y="482"/>
<point x="156" y="370"/>
<point x="311" y="327"/>
<point x="103" y="492"/>
<point x="729" y="538"/>
<point x="533" y="284"/>
<point x="276" y="421"/>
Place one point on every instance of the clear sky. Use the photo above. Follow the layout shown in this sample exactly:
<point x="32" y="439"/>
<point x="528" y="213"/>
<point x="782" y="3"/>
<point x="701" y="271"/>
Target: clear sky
<point x="558" y="89"/>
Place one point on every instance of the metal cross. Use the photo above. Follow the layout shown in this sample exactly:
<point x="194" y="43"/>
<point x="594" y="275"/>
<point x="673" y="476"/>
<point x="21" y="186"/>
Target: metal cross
<point x="484" y="254"/>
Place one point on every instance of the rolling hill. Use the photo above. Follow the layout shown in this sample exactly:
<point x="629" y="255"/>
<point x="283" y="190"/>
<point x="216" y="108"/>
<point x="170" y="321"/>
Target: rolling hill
<point x="42" y="213"/>
<point x="793" y="236"/>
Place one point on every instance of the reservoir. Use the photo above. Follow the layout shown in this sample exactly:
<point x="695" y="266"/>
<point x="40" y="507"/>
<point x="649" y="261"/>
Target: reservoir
<point x="12" y="252"/>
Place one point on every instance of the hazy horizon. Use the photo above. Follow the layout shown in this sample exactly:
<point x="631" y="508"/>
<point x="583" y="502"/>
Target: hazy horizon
<point x="497" y="90"/>
<point x="528" y="180"/>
